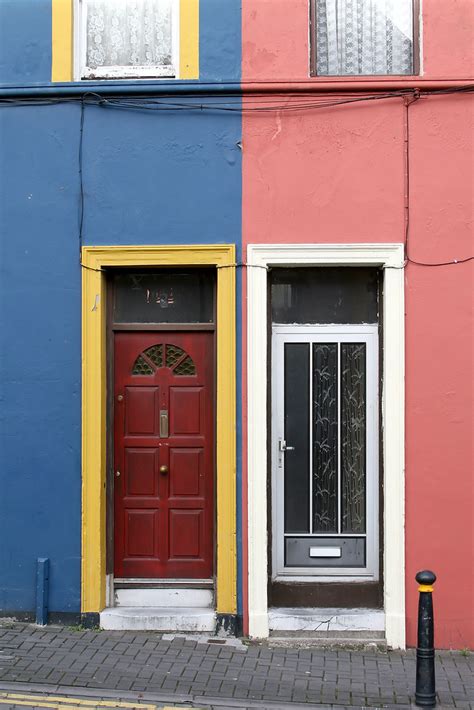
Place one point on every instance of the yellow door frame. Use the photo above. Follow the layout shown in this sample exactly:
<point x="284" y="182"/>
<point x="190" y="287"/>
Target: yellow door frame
<point x="95" y="260"/>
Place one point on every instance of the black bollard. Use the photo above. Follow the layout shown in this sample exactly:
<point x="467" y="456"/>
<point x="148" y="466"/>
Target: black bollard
<point x="425" y="693"/>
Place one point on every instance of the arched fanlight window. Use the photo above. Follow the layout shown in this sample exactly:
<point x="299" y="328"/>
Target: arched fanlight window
<point x="171" y="356"/>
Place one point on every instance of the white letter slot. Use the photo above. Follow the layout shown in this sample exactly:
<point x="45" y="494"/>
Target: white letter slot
<point x="324" y="551"/>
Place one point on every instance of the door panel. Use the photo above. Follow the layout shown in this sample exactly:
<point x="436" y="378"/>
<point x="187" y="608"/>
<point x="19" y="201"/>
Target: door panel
<point x="163" y="454"/>
<point x="141" y="410"/>
<point x="141" y="533"/>
<point x="190" y="481"/>
<point x="140" y="472"/>
<point x="186" y="415"/>
<point x="185" y="533"/>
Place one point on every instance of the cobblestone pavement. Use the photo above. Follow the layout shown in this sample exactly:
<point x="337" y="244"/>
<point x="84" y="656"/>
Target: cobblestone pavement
<point x="196" y="672"/>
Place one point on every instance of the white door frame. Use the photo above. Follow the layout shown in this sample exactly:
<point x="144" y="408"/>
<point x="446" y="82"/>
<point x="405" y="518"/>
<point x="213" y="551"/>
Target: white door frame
<point x="390" y="258"/>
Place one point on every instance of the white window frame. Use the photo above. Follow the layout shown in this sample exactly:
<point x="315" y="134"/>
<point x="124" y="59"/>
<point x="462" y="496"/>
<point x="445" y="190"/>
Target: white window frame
<point x="313" y="333"/>
<point x="83" y="72"/>
<point x="389" y="257"/>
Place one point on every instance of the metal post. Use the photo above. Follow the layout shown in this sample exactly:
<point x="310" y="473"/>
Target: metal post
<point x="42" y="590"/>
<point x="425" y="694"/>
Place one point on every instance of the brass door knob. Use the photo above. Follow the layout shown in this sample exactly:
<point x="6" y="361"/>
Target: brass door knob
<point x="163" y="469"/>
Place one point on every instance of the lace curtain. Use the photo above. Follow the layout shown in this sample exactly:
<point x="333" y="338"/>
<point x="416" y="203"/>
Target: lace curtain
<point x="364" y="37"/>
<point x="128" y="33"/>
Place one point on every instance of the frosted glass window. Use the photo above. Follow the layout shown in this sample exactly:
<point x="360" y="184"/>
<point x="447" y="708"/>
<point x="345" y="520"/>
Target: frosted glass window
<point x="325" y="438"/>
<point x="353" y="436"/>
<point x="338" y="414"/>
<point x="363" y="37"/>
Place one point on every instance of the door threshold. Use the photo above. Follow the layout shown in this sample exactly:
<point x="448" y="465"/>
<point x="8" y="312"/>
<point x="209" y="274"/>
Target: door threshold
<point x="330" y="622"/>
<point x="163" y="619"/>
<point x="138" y="583"/>
<point x="160" y="596"/>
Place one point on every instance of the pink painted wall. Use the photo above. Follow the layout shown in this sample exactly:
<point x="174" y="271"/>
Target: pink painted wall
<point x="275" y="39"/>
<point x="337" y="175"/>
<point x="439" y="368"/>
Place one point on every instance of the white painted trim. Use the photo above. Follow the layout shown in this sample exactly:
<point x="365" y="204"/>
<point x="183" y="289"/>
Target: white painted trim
<point x="109" y="589"/>
<point x="175" y="37"/>
<point x="79" y="20"/>
<point x="390" y="257"/>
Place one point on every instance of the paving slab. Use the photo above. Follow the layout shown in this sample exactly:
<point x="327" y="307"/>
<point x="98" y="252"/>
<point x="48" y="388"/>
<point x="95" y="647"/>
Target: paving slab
<point x="196" y="671"/>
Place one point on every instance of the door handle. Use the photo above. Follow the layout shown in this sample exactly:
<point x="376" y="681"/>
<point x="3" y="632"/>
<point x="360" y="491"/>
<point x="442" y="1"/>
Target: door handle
<point x="164" y="469"/>
<point x="282" y="447"/>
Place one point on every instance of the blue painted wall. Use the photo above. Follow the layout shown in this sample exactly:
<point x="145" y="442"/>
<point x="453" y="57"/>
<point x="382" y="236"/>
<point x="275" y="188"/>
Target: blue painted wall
<point x="40" y="356"/>
<point x="161" y="177"/>
<point x="168" y="177"/>
<point x="220" y="23"/>
<point x="25" y="41"/>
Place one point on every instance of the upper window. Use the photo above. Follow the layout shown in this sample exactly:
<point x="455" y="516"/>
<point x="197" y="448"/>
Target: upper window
<point x="363" y="37"/>
<point x="164" y="296"/>
<point x="128" y="38"/>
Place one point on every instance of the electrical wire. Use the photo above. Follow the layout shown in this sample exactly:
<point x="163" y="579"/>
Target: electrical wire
<point x="259" y="105"/>
<point x="408" y="260"/>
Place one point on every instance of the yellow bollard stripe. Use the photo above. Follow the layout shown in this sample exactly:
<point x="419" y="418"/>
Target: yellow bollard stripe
<point x="425" y="588"/>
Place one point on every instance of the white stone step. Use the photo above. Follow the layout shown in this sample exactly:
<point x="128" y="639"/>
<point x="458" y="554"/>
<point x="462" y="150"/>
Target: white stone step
<point x="320" y="620"/>
<point x="166" y="597"/>
<point x="166" y="619"/>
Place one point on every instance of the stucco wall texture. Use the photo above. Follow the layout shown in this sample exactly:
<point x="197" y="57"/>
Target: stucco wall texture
<point x="169" y="177"/>
<point x="330" y="175"/>
<point x="337" y="175"/>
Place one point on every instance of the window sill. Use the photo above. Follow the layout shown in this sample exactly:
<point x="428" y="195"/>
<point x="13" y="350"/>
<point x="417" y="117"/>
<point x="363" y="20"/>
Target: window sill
<point x="136" y="73"/>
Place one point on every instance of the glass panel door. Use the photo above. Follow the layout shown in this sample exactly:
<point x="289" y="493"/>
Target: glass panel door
<point x="325" y="451"/>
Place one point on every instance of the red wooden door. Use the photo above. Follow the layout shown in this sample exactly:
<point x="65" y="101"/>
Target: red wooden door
<point x="164" y="454"/>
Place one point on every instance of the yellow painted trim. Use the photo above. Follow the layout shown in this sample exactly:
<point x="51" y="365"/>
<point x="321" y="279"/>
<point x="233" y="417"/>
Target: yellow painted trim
<point x="425" y="588"/>
<point x="189" y="39"/>
<point x="62" y="49"/>
<point x="94" y="409"/>
<point x="62" y="40"/>
<point x="59" y="701"/>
